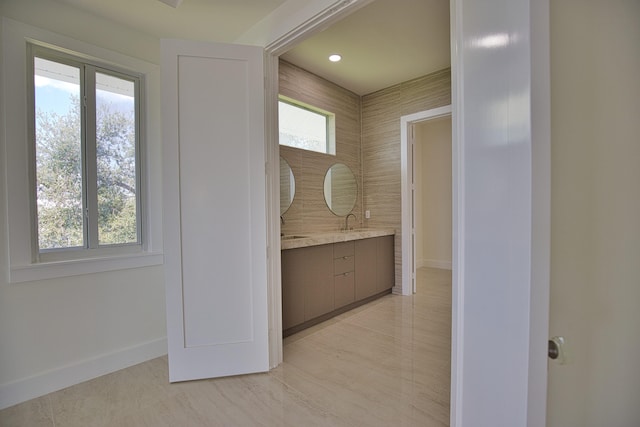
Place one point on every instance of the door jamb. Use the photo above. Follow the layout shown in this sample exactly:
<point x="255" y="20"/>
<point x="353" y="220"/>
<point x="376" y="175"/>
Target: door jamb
<point x="272" y="52"/>
<point x="540" y="79"/>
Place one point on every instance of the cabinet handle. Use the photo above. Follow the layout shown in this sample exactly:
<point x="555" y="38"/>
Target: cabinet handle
<point x="346" y="257"/>
<point x="346" y="274"/>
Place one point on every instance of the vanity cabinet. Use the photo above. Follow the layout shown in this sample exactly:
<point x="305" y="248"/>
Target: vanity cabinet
<point x="319" y="282"/>
<point x="374" y="266"/>
<point x="307" y="284"/>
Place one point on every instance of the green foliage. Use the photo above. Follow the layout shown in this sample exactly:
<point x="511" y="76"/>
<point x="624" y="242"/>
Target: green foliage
<point x="59" y="170"/>
<point x="59" y="179"/>
<point x="116" y="162"/>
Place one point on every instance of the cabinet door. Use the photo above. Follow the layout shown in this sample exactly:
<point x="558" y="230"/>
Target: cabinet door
<point x="293" y="273"/>
<point x="365" y="268"/>
<point x="342" y="249"/>
<point x="344" y="289"/>
<point x="317" y="277"/>
<point x="385" y="263"/>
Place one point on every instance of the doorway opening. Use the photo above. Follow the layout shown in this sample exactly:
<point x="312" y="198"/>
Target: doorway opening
<point x="413" y="254"/>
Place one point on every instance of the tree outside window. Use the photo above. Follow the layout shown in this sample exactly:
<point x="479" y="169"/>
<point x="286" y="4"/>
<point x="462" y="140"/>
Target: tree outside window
<point x="86" y="155"/>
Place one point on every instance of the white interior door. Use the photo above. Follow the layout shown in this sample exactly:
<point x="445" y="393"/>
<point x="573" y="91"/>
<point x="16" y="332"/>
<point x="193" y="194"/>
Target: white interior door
<point x="501" y="134"/>
<point x="214" y="209"/>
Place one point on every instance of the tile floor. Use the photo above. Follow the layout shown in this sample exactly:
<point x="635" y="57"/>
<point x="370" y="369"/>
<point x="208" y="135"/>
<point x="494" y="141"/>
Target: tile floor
<point x="383" y="364"/>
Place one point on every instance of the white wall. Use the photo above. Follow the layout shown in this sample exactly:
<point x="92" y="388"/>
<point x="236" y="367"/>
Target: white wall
<point x="595" y="245"/>
<point x="57" y="332"/>
<point x="433" y="193"/>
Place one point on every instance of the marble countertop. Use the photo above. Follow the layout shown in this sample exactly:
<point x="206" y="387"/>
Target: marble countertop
<point x="303" y="240"/>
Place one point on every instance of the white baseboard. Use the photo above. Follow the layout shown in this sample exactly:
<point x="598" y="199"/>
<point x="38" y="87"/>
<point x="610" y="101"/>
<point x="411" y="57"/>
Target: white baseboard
<point x="57" y="379"/>
<point x="434" y="263"/>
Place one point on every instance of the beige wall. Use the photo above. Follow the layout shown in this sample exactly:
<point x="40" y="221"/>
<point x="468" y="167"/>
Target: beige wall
<point x="595" y="243"/>
<point x="381" y="113"/>
<point x="433" y="193"/>
<point x="309" y="212"/>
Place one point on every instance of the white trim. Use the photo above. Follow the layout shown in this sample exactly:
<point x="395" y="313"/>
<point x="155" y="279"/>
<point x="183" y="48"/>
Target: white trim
<point x="272" y="159"/>
<point x="50" y="270"/>
<point x="407" y="208"/>
<point x="84" y="370"/>
<point x="457" y="225"/>
<point x="541" y="212"/>
<point x="295" y="20"/>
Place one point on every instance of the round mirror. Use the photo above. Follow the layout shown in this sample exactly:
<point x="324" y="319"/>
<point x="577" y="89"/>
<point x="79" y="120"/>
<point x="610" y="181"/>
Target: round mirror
<point x="287" y="186"/>
<point x="340" y="189"/>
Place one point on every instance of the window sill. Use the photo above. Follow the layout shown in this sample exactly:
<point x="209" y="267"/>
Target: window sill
<point x="56" y="269"/>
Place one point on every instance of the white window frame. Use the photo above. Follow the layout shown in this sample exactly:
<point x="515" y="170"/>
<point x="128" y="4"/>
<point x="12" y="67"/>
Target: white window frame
<point x="91" y="246"/>
<point x="25" y="264"/>
<point x="330" y="148"/>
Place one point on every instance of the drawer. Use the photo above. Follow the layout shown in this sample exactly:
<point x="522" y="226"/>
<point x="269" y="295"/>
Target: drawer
<point x="342" y="249"/>
<point x="343" y="265"/>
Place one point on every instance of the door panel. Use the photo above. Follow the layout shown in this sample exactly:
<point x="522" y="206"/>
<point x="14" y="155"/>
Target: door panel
<point x="500" y="62"/>
<point x="215" y="256"/>
<point x="365" y="267"/>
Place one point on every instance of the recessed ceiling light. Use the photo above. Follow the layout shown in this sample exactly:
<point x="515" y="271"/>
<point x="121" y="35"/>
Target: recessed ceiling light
<point x="335" y="57"/>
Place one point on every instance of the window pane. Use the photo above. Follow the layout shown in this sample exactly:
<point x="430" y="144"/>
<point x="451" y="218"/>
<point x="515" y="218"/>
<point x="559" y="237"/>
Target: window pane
<point x="58" y="155"/>
<point x="302" y="128"/>
<point x="116" y="160"/>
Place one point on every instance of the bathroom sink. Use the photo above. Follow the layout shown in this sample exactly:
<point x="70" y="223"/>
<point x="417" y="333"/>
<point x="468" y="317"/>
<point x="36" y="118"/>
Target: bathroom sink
<point x="292" y="237"/>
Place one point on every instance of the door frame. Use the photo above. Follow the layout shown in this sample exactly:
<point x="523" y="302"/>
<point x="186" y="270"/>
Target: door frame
<point x="316" y="23"/>
<point x="407" y="185"/>
<point x="530" y="19"/>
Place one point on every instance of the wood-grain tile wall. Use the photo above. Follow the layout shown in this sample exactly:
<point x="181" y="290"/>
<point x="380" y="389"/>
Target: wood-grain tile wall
<point x="308" y="212"/>
<point x="381" y="174"/>
<point x="367" y="140"/>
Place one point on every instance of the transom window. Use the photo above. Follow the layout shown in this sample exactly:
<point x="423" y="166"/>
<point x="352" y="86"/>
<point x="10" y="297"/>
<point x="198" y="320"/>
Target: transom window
<point x="85" y="140"/>
<point x="306" y="127"/>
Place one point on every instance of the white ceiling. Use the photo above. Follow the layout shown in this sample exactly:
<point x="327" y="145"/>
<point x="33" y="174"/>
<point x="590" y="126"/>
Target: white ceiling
<point x="204" y="20"/>
<point x="383" y="43"/>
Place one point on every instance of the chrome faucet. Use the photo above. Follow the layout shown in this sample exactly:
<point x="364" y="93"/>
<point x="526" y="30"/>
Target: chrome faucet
<point x="346" y="221"/>
<point x="281" y="224"/>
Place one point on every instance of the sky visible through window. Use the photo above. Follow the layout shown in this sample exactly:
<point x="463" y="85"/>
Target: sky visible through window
<point x="55" y="83"/>
<point x="302" y="128"/>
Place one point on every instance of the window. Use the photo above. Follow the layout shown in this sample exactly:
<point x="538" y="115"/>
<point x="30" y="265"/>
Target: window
<point x="306" y="127"/>
<point x="88" y="232"/>
<point x="85" y="140"/>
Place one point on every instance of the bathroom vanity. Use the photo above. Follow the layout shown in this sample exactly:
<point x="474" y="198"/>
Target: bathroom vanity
<point x="326" y="274"/>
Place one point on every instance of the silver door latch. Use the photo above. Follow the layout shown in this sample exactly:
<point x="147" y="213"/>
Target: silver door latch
<point x="557" y="350"/>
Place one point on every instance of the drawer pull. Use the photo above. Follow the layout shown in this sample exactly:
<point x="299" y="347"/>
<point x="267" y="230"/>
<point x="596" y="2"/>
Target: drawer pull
<point x="346" y="257"/>
<point x="346" y="274"/>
